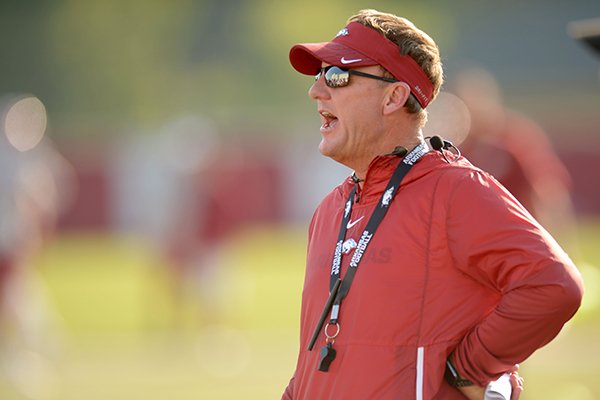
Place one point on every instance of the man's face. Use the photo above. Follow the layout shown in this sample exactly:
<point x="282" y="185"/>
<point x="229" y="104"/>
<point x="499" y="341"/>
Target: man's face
<point x="351" y="117"/>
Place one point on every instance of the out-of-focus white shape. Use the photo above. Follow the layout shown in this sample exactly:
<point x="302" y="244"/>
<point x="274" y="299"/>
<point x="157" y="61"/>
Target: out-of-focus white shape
<point x="448" y="117"/>
<point x="34" y="376"/>
<point x="188" y="143"/>
<point x="25" y="123"/>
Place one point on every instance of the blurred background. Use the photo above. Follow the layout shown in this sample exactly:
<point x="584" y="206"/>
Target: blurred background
<point x="159" y="167"/>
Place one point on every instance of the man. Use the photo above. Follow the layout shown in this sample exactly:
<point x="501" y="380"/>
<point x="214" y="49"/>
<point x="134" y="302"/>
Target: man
<point x="419" y="265"/>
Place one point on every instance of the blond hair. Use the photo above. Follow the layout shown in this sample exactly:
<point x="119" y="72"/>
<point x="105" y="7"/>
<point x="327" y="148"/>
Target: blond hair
<point x="411" y="41"/>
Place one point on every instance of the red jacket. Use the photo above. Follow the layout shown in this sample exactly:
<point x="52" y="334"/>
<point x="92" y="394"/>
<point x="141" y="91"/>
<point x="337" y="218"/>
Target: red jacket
<point x="457" y="264"/>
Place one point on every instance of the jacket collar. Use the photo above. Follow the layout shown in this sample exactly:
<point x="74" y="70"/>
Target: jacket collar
<point x="380" y="171"/>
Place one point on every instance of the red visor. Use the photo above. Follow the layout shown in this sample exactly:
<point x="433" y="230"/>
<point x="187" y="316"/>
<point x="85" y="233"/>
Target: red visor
<point x="358" y="46"/>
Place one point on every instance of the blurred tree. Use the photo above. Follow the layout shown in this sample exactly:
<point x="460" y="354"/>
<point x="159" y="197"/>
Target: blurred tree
<point x="140" y="63"/>
<point x="24" y="56"/>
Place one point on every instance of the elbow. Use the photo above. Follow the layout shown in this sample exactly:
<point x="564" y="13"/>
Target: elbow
<point x="571" y="295"/>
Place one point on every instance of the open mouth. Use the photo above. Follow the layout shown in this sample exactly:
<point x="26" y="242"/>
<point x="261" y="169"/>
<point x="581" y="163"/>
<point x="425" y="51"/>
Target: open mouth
<point x="328" y="120"/>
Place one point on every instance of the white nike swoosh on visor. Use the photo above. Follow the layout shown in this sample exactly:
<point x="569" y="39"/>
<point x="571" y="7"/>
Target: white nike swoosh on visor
<point x="344" y="61"/>
<point x="351" y="223"/>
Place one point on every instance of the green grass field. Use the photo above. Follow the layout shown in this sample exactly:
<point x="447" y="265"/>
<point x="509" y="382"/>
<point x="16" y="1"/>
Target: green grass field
<point x="112" y="329"/>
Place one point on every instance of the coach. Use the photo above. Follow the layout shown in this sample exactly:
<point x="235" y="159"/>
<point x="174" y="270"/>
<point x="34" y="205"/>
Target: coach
<point x="425" y="278"/>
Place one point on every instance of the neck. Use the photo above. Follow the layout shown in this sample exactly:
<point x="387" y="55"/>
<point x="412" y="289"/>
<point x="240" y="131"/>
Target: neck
<point x="360" y="172"/>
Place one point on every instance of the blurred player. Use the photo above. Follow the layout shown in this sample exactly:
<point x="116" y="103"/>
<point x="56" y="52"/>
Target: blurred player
<point x="35" y="185"/>
<point x="517" y="152"/>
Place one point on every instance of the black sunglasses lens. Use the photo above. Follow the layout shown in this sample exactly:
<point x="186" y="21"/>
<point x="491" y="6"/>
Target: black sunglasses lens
<point x="336" y="77"/>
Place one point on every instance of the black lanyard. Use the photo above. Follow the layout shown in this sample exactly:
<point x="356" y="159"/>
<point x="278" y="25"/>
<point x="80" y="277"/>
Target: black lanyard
<point x="336" y="296"/>
<point x="365" y="238"/>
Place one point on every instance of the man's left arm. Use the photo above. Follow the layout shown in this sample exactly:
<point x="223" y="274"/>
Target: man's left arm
<point x="495" y="241"/>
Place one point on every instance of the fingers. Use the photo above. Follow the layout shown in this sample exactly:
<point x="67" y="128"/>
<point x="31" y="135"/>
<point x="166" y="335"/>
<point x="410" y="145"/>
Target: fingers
<point x="517" y="383"/>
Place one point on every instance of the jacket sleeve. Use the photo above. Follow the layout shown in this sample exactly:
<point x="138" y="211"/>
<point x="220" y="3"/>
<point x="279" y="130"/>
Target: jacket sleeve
<point x="495" y="241"/>
<point x="289" y="390"/>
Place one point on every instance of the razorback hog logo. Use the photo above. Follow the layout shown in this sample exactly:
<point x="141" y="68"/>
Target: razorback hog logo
<point x="348" y="246"/>
<point x="343" y="32"/>
<point x="387" y="197"/>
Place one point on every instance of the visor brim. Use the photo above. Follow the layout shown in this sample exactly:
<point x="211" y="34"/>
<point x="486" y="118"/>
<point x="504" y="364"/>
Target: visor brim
<point x="307" y="58"/>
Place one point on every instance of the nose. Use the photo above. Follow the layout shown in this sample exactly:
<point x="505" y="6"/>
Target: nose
<point x="319" y="90"/>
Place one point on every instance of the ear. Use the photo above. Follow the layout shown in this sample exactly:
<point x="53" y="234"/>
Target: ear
<point x="396" y="97"/>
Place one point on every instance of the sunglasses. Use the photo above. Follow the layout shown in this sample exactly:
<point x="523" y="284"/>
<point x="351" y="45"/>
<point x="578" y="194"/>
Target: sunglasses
<point x="338" y="77"/>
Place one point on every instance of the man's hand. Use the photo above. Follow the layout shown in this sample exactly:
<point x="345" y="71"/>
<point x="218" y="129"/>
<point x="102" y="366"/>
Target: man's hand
<point x="517" y="383"/>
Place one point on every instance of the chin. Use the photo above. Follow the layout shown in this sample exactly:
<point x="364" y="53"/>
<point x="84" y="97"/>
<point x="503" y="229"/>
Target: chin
<point x="332" y="154"/>
<point x="325" y="149"/>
